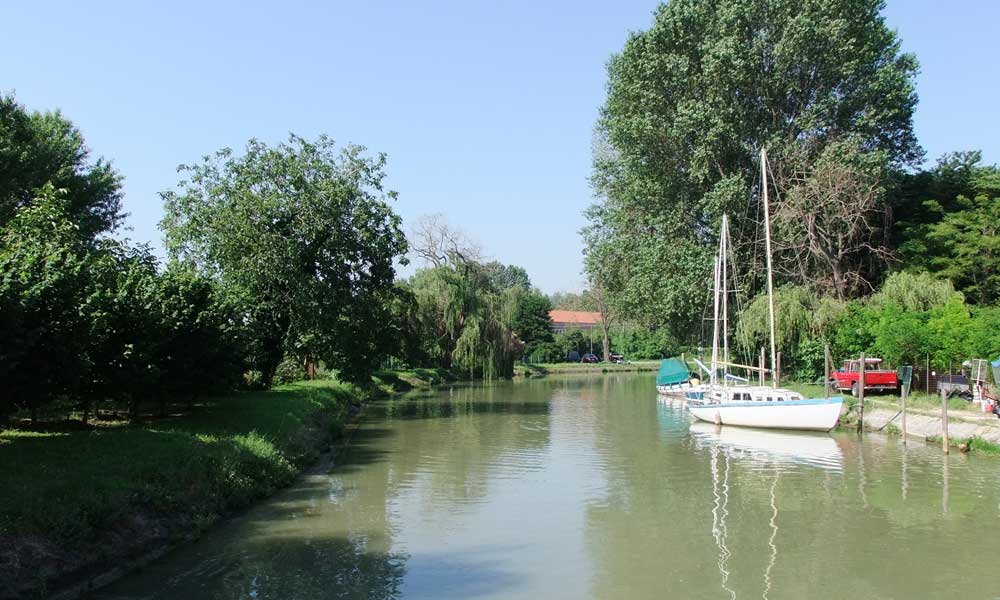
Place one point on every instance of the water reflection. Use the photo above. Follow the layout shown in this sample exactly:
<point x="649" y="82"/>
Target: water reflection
<point x="769" y="453"/>
<point x="766" y="449"/>
<point x="587" y="487"/>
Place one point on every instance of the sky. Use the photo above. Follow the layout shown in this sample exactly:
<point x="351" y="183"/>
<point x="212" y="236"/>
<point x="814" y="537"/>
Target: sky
<point x="485" y="109"/>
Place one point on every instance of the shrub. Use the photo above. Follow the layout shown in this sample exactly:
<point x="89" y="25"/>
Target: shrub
<point x="289" y="370"/>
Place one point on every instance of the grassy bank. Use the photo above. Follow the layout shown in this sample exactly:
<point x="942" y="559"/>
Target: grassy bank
<point x="391" y="381"/>
<point x="87" y="499"/>
<point x="557" y="368"/>
<point x="975" y="444"/>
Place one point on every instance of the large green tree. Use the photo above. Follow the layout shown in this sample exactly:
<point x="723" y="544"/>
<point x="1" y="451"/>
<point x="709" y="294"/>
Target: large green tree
<point x="45" y="280"/>
<point x="532" y="323"/>
<point x="303" y="239"/>
<point x="38" y="148"/>
<point x="690" y="103"/>
<point x="948" y="224"/>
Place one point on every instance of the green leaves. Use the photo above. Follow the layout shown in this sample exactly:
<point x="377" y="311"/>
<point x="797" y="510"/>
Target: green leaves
<point x="466" y="322"/>
<point x="690" y="103"/>
<point x="302" y="239"/>
<point x="44" y="148"/>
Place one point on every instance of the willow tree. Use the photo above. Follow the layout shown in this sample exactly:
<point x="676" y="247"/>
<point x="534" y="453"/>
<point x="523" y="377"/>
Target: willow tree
<point x="693" y="99"/>
<point x="468" y="324"/>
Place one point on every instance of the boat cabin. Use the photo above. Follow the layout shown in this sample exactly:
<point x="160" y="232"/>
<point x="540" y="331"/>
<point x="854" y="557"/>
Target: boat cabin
<point x="750" y="394"/>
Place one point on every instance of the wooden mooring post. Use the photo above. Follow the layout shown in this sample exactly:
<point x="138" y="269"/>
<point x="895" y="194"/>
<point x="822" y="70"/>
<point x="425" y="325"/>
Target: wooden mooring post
<point x="861" y="394"/>
<point x="761" y="365"/>
<point x="827" y="364"/>
<point x="944" y="420"/>
<point x="777" y="372"/>
<point x="902" y="401"/>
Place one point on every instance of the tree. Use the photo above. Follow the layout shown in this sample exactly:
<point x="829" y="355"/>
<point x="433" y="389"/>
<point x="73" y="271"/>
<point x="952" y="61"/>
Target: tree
<point x="829" y="222"/>
<point x="45" y="278"/>
<point x="199" y="351"/>
<point x="438" y="243"/>
<point x="573" y="301"/>
<point x="693" y="99"/>
<point x="303" y="240"/>
<point x="505" y="277"/>
<point x="965" y="247"/>
<point x="468" y="323"/>
<point x="947" y="223"/>
<point x="532" y="323"/>
<point x="125" y="334"/>
<point x="40" y="148"/>
<point x="922" y="197"/>
<point x="600" y="295"/>
<point x="914" y="291"/>
<point x="800" y="314"/>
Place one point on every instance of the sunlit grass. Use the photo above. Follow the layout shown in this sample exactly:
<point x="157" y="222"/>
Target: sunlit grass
<point x="67" y="486"/>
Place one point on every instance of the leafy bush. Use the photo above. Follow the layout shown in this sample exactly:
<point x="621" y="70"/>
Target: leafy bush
<point x="290" y="370"/>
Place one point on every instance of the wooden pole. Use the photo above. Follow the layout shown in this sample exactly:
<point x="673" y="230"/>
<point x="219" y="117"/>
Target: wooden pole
<point x="770" y="278"/>
<point x="944" y="420"/>
<point x="826" y="371"/>
<point x="927" y="376"/>
<point x="777" y="371"/>
<point x="761" y="365"/>
<point x="902" y="400"/>
<point x="861" y="394"/>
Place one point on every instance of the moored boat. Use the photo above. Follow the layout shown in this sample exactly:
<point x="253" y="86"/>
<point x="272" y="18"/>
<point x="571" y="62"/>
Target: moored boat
<point x="757" y="406"/>
<point x="746" y="405"/>
<point x="673" y="379"/>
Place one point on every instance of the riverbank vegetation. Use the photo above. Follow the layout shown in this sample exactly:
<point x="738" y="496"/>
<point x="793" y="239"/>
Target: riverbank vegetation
<point x="873" y="251"/>
<point x="114" y="489"/>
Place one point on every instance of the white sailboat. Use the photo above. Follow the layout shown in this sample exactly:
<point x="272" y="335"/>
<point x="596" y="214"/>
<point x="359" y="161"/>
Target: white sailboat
<point x="723" y="403"/>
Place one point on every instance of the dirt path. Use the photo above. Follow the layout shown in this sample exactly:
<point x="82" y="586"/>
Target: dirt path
<point x="922" y="423"/>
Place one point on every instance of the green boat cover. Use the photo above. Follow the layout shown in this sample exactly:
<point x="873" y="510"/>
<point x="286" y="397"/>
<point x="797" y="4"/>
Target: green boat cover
<point x="672" y="370"/>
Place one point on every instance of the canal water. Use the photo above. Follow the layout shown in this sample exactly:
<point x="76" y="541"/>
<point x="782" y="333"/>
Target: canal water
<point x="591" y="487"/>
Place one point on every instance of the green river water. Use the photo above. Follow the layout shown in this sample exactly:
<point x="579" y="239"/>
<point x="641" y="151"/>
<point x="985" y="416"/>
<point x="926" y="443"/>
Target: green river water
<point x="591" y="487"/>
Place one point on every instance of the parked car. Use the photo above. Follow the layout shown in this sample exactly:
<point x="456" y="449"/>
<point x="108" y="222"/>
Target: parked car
<point x="619" y="359"/>
<point x="573" y="356"/>
<point x="590" y="358"/>
<point x="847" y="378"/>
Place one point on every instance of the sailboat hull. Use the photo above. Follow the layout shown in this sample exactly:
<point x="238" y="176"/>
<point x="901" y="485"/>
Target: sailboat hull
<point x="814" y="414"/>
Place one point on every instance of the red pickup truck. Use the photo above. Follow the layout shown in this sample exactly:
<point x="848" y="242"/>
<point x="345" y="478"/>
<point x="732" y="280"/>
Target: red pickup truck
<point x="876" y="379"/>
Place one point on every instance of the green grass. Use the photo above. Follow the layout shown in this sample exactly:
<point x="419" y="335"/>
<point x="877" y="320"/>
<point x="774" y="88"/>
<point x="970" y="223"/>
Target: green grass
<point x="985" y="446"/>
<point x="62" y="490"/>
<point x="917" y="400"/>
<point x="974" y="444"/>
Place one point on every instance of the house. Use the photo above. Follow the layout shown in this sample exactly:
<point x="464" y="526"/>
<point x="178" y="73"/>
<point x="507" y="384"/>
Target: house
<point x="574" y="319"/>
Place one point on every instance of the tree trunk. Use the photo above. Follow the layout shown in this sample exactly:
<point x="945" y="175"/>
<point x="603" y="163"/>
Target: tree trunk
<point x="607" y="343"/>
<point x="133" y="409"/>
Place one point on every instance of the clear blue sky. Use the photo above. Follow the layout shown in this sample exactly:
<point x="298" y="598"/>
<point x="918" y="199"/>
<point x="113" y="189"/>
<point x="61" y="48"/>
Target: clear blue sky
<point x="485" y="108"/>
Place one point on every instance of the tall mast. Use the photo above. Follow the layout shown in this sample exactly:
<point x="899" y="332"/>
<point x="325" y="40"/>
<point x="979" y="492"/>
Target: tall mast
<point x="770" y="277"/>
<point x="713" y="378"/>
<point x="724" y="255"/>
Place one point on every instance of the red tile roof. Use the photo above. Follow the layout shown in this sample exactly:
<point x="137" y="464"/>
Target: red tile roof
<point x="575" y="317"/>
